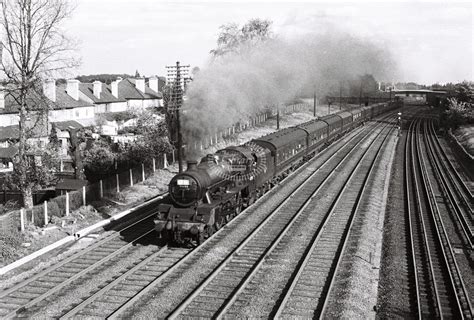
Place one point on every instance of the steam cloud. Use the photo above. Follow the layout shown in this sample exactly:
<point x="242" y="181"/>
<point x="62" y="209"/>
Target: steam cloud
<point x="236" y="86"/>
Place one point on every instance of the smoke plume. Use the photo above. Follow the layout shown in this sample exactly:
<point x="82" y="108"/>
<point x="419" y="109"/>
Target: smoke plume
<point x="235" y="86"/>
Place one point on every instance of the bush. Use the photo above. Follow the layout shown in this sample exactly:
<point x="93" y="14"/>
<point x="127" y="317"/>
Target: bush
<point x="75" y="200"/>
<point x="53" y="209"/>
<point x="38" y="213"/>
<point x="10" y="205"/>
<point x="61" y="203"/>
<point x="10" y="242"/>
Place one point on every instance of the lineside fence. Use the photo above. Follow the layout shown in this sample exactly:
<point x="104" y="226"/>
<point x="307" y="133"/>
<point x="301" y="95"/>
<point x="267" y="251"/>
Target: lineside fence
<point x="217" y="136"/>
<point x="61" y="206"/>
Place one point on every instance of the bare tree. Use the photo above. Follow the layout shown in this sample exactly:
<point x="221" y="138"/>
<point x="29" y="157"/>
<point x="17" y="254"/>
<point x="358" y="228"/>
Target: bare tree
<point x="34" y="48"/>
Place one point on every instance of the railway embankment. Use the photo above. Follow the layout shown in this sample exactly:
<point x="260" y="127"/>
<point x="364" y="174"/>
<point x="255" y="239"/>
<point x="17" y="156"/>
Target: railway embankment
<point x="18" y="245"/>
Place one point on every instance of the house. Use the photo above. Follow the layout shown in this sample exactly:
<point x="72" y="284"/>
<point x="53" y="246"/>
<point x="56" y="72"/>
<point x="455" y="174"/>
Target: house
<point x="6" y="156"/>
<point x="138" y="95"/>
<point x="101" y="96"/>
<point x="62" y="131"/>
<point x="66" y="104"/>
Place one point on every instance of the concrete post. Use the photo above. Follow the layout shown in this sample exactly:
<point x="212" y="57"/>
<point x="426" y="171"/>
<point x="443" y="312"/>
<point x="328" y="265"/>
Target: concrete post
<point x="131" y="177"/>
<point x="22" y="220"/>
<point x="46" y="220"/>
<point x="84" y="196"/>
<point x="101" y="189"/>
<point x="118" y="182"/>
<point x="174" y="160"/>
<point x="154" y="164"/>
<point x="32" y="216"/>
<point x="165" y="161"/>
<point x="67" y="203"/>
<point x="143" y="172"/>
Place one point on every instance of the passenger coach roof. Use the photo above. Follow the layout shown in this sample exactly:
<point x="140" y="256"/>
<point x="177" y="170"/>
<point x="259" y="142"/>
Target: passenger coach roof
<point x="331" y="118"/>
<point x="313" y="125"/>
<point x="283" y="137"/>
<point x="344" y="114"/>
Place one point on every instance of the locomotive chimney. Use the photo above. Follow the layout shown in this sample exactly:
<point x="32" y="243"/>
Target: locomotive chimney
<point x="192" y="165"/>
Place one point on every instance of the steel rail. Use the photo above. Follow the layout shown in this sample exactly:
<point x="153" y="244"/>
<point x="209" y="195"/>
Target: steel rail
<point x="455" y="276"/>
<point x="70" y="258"/>
<point x="417" y="171"/>
<point x="115" y="282"/>
<point x="447" y="180"/>
<point x="407" y="189"/>
<point x="355" y="209"/>
<point x="318" y="234"/>
<point x="75" y="277"/>
<point x="231" y="255"/>
<point x="150" y="287"/>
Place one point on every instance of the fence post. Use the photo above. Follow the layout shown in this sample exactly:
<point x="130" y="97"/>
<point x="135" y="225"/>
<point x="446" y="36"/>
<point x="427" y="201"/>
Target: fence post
<point x="84" y="196"/>
<point x="143" y="172"/>
<point x="131" y="177"/>
<point x="32" y="216"/>
<point x="165" y="161"/>
<point x="22" y="220"/>
<point x="174" y="160"/>
<point x="101" y="189"/>
<point x="67" y="203"/>
<point x="154" y="164"/>
<point x="118" y="182"/>
<point x="46" y="220"/>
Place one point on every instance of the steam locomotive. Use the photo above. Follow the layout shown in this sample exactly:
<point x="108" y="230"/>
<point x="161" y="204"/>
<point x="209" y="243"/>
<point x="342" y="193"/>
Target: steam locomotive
<point x="209" y="194"/>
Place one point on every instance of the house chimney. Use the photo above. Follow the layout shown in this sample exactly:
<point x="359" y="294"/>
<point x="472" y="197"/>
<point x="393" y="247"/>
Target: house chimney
<point x="72" y="88"/>
<point x="2" y="98"/>
<point x="114" y="87"/>
<point x="97" y="88"/>
<point x="153" y="84"/>
<point x="140" y="84"/>
<point x="49" y="89"/>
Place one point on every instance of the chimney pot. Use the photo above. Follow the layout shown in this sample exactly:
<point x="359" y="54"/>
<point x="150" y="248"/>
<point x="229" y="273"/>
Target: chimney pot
<point x="153" y="84"/>
<point x="49" y="89"/>
<point x="114" y="88"/>
<point x="97" y="88"/>
<point x="72" y="88"/>
<point x="140" y="84"/>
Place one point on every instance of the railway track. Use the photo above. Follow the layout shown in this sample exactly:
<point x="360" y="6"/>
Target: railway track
<point x="44" y="285"/>
<point x="276" y="216"/>
<point x="440" y="291"/>
<point x="114" y="296"/>
<point x="453" y="188"/>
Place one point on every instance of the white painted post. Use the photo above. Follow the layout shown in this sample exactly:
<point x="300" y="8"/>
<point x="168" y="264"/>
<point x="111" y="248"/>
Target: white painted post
<point x="143" y="172"/>
<point x="154" y="164"/>
<point x="174" y="160"/>
<point x="32" y="216"/>
<point x="46" y="220"/>
<point x="101" y="189"/>
<point x="84" y="196"/>
<point x="165" y="161"/>
<point x="216" y="138"/>
<point x="233" y="129"/>
<point x="22" y="220"/>
<point x="131" y="177"/>
<point x="201" y="147"/>
<point x="67" y="203"/>
<point x="118" y="182"/>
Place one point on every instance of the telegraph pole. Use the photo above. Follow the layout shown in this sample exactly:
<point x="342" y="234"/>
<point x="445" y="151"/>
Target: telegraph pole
<point x="314" y="104"/>
<point x="176" y="101"/>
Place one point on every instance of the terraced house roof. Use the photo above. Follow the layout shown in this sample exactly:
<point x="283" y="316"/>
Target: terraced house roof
<point x="127" y="90"/>
<point x="106" y="95"/>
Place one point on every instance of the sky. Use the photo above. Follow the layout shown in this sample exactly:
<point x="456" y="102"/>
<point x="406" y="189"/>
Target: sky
<point x="430" y="41"/>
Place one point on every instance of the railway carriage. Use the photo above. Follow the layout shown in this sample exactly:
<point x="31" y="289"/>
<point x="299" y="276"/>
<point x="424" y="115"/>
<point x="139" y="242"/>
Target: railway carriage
<point x="208" y="195"/>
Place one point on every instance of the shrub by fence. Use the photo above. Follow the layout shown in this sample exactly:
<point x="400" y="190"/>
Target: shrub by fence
<point x="62" y="205"/>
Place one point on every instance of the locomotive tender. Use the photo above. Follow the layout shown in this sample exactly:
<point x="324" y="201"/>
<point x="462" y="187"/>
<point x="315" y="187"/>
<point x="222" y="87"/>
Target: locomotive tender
<point x="206" y="196"/>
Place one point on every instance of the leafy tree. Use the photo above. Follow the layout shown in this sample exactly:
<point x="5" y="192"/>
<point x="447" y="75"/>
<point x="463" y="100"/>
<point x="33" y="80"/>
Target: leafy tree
<point x="34" y="48"/>
<point x="77" y="141"/>
<point x="54" y="142"/>
<point x="233" y="38"/>
<point x="99" y="158"/>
